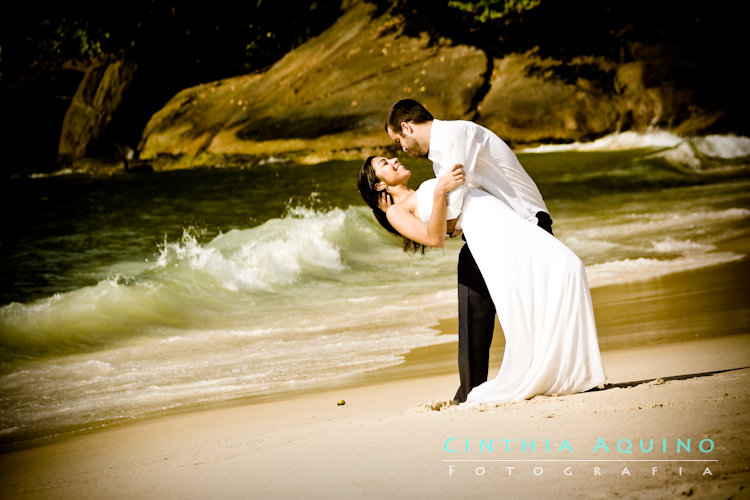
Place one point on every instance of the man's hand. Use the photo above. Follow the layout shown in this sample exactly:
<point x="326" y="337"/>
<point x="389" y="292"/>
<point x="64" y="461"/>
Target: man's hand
<point x="384" y="201"/>
<point x="451" y="179"/>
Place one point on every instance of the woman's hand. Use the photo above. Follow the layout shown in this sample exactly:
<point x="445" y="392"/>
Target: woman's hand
<point x="451" y="179"/>
<point x="384" y="201"/>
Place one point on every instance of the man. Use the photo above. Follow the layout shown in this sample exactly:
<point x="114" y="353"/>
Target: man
<point x="489" y="165"/>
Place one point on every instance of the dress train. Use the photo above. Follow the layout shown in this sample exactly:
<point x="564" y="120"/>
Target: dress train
<point x="541" y="293"/>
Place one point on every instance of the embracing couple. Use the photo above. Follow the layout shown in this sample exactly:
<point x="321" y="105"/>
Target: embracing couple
<point x="511" y="264"/>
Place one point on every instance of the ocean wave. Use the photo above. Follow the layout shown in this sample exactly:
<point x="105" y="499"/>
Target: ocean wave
<point x="277" y="253"/>
<point x="710" y="154"/>
<point x="57" y="173"/>
<point x="641" y="269"/>
<point x="696" y="153"/>
<point x="615" y="142"/>
<point x="644" y="224"/>
<point x="81" y="318"/>
<point x="723" y="146"/>
<point x="228" y="278"/>
<point x="673" y="245"/>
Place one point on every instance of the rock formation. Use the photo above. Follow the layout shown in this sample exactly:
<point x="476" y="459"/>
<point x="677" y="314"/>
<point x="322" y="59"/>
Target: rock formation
<point x="328" y="98"/>
<point x="98" y="96"/>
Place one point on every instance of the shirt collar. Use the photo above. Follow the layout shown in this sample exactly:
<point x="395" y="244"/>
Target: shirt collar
<point x="434" y="153"/>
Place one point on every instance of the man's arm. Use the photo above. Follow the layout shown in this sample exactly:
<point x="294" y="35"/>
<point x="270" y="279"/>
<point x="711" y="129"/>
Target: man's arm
<point x="462" y="147"/>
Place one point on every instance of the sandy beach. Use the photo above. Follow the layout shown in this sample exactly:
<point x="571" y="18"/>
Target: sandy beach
<point x="672" y="422"/>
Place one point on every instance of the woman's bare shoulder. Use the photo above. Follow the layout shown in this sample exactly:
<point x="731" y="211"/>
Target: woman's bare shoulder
<point x="405" y="207"/>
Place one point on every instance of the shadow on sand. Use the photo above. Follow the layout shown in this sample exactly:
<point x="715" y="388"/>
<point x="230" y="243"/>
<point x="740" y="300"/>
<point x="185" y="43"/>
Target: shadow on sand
<point x="661" y="380"/>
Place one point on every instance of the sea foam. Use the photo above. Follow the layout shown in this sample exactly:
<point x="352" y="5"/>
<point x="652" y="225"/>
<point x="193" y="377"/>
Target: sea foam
<point x="278" y="252"/>
<point x="697" y="148"/>
<point x="615" y="142"/>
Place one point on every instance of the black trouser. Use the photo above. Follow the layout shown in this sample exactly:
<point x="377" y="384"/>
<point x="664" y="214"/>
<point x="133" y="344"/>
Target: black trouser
<point x="476" y="319"/>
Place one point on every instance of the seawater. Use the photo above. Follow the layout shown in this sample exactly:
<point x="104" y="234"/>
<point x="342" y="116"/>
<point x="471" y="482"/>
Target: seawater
<point x="133" y="295"/>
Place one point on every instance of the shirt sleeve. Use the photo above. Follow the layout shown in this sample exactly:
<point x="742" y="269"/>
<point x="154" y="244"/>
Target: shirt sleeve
<point x="462" y="148"/>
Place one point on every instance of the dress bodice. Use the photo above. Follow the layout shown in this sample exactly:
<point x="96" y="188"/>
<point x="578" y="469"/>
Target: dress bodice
<point x="425" y="196"/>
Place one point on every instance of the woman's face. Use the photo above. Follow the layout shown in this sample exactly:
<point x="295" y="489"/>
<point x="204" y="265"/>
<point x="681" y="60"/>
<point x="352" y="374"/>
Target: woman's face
<point x="390" y="171"/>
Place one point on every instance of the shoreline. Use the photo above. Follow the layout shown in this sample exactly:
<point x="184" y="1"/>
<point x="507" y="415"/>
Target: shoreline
<point x="676" y="351"/>
<point x="670" y="309"/>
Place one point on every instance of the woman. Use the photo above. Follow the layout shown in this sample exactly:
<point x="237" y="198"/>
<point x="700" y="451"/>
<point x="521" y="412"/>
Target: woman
<point x="538" y="285"/>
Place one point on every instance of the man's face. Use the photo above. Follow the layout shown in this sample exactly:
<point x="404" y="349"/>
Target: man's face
<point x="407" y="140"/>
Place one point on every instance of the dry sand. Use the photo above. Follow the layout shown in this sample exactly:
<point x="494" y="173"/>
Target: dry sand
<point x="396" y="438"/>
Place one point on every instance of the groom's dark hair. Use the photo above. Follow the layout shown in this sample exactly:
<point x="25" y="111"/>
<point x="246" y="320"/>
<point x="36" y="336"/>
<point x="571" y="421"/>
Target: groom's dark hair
<point x="406" y="110"/>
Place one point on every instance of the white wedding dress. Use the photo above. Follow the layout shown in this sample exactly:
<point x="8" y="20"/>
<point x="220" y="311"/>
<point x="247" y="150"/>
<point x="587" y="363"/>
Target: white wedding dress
<point x="542" y="298"/>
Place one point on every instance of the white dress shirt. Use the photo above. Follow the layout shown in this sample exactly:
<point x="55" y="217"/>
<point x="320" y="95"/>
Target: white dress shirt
<point x="489" y="164"/>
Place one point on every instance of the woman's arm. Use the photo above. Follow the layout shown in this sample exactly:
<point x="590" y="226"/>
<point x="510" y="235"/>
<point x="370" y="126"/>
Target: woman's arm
<point x="431" y="234"/>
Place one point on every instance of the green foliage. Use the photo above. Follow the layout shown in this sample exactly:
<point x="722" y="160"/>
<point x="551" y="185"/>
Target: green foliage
<point x="223" y="38"/>
<point x="486" y="10"/>
<point x="77" y="37"/>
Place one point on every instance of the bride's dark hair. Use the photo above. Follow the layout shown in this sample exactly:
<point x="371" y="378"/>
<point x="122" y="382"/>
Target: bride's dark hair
<point x="366" y="184"/>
